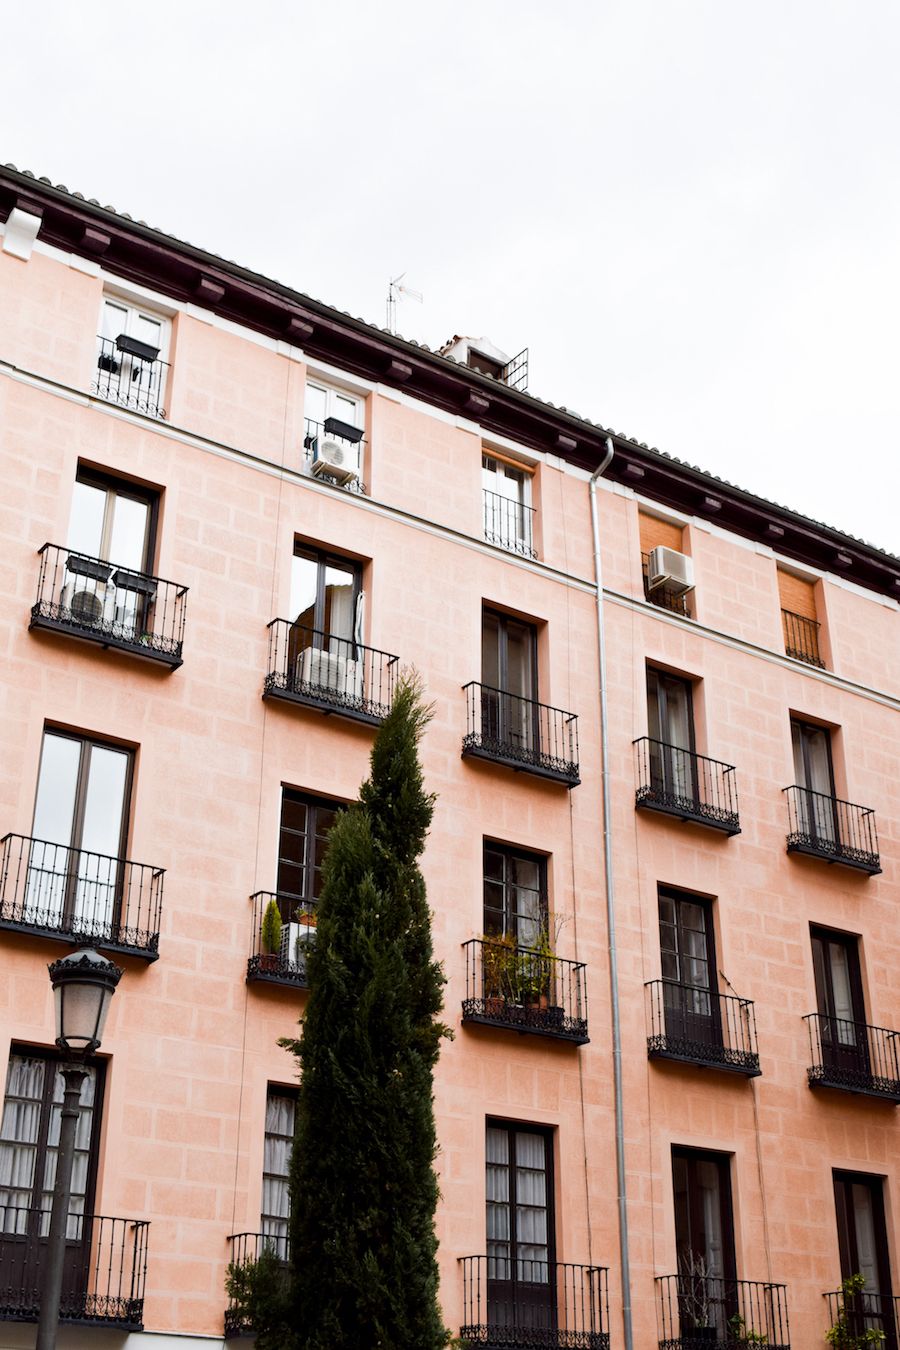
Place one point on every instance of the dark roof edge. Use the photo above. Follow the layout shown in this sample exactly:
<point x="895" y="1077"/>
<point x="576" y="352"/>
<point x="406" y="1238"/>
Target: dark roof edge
<point x="139" y="253"/>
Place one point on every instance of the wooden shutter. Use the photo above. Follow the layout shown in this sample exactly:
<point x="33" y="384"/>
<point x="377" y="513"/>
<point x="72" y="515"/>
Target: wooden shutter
<point x="797" y="596"/>
<point x="655" y="532"/>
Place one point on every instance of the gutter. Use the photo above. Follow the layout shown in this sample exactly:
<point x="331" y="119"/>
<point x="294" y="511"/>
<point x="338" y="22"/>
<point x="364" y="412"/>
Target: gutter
<point x="624" y="1261"/>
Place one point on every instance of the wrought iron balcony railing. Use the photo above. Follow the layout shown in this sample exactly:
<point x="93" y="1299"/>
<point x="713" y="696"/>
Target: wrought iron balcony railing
<point x="525" y="1304"/>
<point x="675" y="604"/>
<point x="335" y="675"/>
<point x="104" y="1269"/>
<point x="801" y="638"/>
<point x="686" y="785"/>
<point x="525" y="989"/>
<point x="75" y="896"/>
<point x="509" y="523"/>
<point x="703" y="1312"/>
<point x="287" y="963"/>
<point x="245" y="1250"/>
<point x="826" y="827"/>
<point x="854" y="1056"/>
<point x="131" y="374"/>
<point x="520" y="733"/>
<point x="697" y="1026"/>
<point x="333" y="450"/>
<point x="865" y="1312"/>
<point x="101" y="602"/>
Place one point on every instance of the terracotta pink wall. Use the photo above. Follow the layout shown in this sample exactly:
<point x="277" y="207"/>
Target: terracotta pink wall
<point x="191" y="1046"/>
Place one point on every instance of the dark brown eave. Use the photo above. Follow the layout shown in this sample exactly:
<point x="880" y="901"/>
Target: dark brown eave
<point x="138" y="253"/>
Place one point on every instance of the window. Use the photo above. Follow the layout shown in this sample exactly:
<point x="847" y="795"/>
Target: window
<point x="334" y="423"/>
<point x="520" y="1239"/>
<point x="326" y="595"/>
<point x="515" y="893"/>
<point x="688" y="957"/>
<point x="131" y="357"/>
<point x="281" y="1106"/>
<point x="816" y="808"/>
<point x="80" y="823"/>
<point x="305" y="825"/>
<point x="670" y="716"/>
<point x="839" y="1000"/>
<point x="509" y="674"/>
<point x="322" y="403"/>
<point x="863" y="1245"/>
<point x="655" y="533"/>
<point x="28" y="1144"/>
<point x="115" y="523"/>
<point x="508" y="516"/>
<point x="704" y="1237"/>
<point x="799" y="620"/>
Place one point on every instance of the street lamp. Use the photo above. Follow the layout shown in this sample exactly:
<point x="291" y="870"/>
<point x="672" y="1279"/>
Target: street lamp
<point x="83" y="985"/>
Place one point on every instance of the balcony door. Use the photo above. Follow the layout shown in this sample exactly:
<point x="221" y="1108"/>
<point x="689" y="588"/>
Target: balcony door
<point x="78" y="837"/>
<point x="813" y="774"/>
<point x="326" y="622"/>
<point x="509" y="676"/>
<point x="507" y="493"/>
<point x="839" y="999"/>
<point x="275" y="1218"/>
<point x="670" y="709"/>
<point x="515" y="894"/>
<point x="521" y="1275"/>
<point x="863" y="1245"/>
<point x="29" y="1137"/>
<point x="115" y="522"/>
<point x="687" y="951"/>
<point x="704" y="1238"/>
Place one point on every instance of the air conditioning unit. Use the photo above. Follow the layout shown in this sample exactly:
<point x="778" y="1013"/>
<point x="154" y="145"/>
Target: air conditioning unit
<point x="670" y="571"/>
<point x="291" y="938"/>
<point x="90" y="603"/>
<point x="335" y="459"/>
<point x="329" y="670"/>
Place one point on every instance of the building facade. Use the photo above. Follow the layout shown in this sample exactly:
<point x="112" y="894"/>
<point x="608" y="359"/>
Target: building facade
<point x="230" y="516"/>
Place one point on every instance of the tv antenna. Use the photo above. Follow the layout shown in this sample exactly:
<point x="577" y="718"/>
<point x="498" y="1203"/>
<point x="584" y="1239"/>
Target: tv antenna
<point x="397" y="291"/>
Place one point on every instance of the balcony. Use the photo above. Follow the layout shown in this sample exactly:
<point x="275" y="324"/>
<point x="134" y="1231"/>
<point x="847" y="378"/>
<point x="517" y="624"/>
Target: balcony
<point x="524" y="735"/>
<point x="131" y="374"/>
<point x="98" y="601"/>
<point x="509" y="524"/>
<point x="245" y="1250"/>
<point x="801" y="638"/>
<point x="334" y="675"/>
<point x="826" y="827"/>
<point x="864" y="1312"/>
<point x="104" y="1271"/>
<point x="695" y="1026"/>
<point x="74" y="896"/>
<point x="333" y="453"/>
<point x="526" y="990"/>
<point x="688" y="786"/>
<point x="675" y="604"/>
<point x="853" y="1056"/>
<point x="703" y="1312"/>
<point x="533" y="1305"/>
<point x="278" y="952"/>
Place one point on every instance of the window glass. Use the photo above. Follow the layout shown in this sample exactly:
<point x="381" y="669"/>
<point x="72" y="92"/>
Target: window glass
<point x="54" y="811"/>
<point x="86" y="524"/>
<point x="305" y="826"/>
<point x="315" y="403"/>
<point x="128" y="534"/>
<point x="276" y="1196"/>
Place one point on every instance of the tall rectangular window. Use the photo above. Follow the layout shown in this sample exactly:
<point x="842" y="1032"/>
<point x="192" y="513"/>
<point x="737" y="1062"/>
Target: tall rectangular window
<point x="687" y="951"/>
<point x="281" y="1106"/>
<point x="863" y="1246"/>
<point x="704" y="1238"/>
<point x="656" y="533"/>
<point x="515" y="893"/>
<point x="670" y="718"/>
<point x="508" y="514"/>
<point x="839" y="999"/>
<point x="132" y="350"/>
<point x="813" y="772"/>
<point x="520" y="1239"/>
<point x="303" y="837"/>
<point x="113" y="522"/>
<point x="799" y="620"/>
<point x="509" y="679"/>
<point x="79" y="832"/>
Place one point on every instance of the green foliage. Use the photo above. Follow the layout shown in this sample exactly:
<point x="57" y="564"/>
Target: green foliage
<point x="271" y="929"/>
<point x="844" y="1335"/>
<point x="499" y="965"/>
<point x="740" y="1334"/>
<point x="363" y="1184"/>
<point x="258" y="1297"/>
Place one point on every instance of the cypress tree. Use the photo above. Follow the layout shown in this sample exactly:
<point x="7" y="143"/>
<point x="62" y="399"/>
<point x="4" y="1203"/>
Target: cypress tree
<point x="363" y="1186"/>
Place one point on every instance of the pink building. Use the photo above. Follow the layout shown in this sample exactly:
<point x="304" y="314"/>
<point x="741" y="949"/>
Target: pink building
<point x="230" y="515"/>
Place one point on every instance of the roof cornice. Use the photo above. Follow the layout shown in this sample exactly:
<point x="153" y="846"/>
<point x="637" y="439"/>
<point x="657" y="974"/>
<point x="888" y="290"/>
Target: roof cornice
<point x="141" y="254"/>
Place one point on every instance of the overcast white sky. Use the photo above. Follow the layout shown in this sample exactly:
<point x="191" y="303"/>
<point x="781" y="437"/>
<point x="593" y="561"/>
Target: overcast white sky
<point x="688" y="210"/>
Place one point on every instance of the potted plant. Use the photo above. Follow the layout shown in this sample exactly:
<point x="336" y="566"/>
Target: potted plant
<point x="270" y="938"/>
<point x="695" y="1303"/>
<point x="740" y="1334"/>
<point x="499" y="955"/>
<point x="849" y="1331"/>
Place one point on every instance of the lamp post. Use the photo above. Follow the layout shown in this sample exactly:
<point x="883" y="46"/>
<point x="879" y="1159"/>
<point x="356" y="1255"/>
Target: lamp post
<point x="83" y="985"/>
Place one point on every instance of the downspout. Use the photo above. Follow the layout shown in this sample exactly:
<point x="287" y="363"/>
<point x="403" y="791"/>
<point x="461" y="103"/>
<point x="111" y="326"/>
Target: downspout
<point x="611" y="912"/>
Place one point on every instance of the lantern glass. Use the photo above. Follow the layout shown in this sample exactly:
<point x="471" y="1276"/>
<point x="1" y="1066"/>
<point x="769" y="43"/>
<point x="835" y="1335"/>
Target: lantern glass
<point x="83" y="985"/>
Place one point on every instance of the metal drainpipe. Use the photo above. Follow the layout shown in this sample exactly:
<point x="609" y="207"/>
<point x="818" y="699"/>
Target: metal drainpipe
<point x="611" y="912"/>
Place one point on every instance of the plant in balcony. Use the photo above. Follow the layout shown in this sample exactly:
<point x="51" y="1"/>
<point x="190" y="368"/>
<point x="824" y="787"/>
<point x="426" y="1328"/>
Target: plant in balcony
<point x="256" y="1294"/>
<point x="270" y="938"/>
<point x="695" y="1302"/>
<point x="740" y="1334"/>
<point x="848" y="1333"/>
<point x="499" y="971"/>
